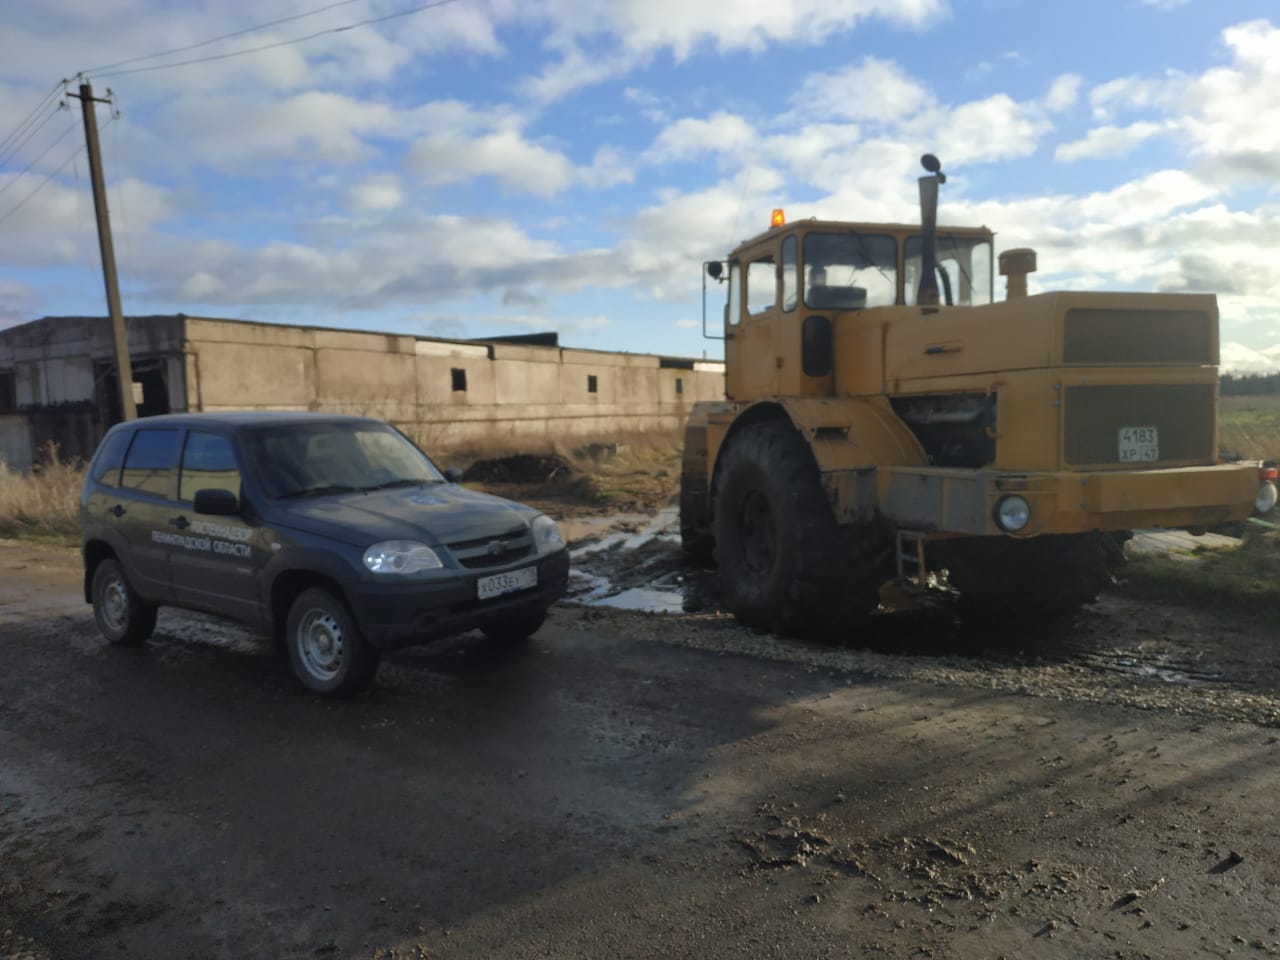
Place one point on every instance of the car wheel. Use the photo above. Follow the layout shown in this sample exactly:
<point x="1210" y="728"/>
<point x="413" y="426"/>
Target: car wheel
<point x="123" y="617"/>
<point x="328" y="654"/>
<point x="515" y="628"/>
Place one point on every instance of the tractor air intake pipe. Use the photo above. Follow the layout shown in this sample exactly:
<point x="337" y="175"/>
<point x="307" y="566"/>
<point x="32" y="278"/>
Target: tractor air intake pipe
<point x="1014" y="267"/>
<point x="927" y="294"/>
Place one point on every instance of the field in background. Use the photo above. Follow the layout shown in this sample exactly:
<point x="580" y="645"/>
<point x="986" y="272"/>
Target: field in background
<point x="1249" y="427"/>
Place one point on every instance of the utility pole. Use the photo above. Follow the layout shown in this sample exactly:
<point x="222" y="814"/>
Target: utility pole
<point x="124" y="369"/>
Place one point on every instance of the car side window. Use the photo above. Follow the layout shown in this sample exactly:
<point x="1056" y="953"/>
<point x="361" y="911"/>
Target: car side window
<point x="106" y="466"/>
<point x="148" y="467"/>
<point x="208" y="463"/>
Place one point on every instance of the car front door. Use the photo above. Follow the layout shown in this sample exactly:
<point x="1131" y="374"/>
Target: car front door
<point x="215" y="569"/>
<point x="141" y="507"/>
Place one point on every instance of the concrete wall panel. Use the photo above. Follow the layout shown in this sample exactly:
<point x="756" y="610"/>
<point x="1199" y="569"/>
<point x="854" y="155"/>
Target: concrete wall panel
<point x="244" y="376"/>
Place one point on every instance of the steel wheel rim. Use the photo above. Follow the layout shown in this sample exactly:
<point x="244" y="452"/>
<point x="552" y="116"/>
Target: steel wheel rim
<point x="759" y="541"/>
<point x="321" y="646"/>
<point x="115" y="603"/>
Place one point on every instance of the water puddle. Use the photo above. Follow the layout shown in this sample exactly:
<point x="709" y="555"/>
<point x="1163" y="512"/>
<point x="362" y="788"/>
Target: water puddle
<point x="636" y="564"/>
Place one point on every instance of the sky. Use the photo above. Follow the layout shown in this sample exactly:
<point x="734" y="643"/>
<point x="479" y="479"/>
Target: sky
<point x="474" y="168"/>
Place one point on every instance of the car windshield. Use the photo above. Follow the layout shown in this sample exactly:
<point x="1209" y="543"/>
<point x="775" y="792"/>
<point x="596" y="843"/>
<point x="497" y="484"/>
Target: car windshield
<point x="310" y="459"/>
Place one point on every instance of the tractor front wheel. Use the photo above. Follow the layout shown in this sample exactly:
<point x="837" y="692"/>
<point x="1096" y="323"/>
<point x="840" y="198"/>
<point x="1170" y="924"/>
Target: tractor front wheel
<point x="784" y="564"/>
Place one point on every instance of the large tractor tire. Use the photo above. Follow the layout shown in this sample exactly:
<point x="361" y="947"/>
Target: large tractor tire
<point x="784" y="564"/>
<point x="696" y="538"/>
<point x="1049" y="577"/>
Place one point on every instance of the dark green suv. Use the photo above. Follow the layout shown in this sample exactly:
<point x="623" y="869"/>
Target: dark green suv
<point x="336" y="534"/>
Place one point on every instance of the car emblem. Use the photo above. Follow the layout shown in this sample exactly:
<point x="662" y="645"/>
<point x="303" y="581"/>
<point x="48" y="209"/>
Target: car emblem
<point x="495" y="547"/>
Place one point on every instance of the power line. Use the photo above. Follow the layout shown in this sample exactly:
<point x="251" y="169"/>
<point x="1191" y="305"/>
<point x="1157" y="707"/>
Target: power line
<point x="39" y="158"/>
<point x="17" y="147"/>
<point x="225" y="36"/>
<point x="57" y="170"/>
<point x="281" y="43"/>
<point x="30" y="117"/>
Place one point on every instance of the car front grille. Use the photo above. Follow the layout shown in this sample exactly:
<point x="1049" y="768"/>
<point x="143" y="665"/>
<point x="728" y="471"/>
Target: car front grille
<point x="494" y="551"/>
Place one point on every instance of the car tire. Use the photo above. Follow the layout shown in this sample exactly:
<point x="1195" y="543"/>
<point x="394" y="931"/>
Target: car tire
<point x="123" y="617"/>
<point x="515" y="628"/>
<point x="328" y="653"/>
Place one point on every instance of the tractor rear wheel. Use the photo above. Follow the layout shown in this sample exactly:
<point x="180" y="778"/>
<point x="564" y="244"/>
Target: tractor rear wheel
<point x="784" y="564"/>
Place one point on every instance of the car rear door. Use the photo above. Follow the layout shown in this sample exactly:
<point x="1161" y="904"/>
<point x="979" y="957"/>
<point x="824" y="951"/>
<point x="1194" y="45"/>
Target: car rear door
<point x="142" y="505"/>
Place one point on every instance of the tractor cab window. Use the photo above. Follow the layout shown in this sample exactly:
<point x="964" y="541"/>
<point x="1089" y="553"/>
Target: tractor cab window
<point x="762" y="285"/>
<point x="850" y="271"/>
<point x="966" y="261"/>
<point x="789" y="285"/>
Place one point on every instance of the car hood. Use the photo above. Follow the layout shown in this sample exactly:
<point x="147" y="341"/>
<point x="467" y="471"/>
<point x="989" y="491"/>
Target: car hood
<point x="435" y="513"/>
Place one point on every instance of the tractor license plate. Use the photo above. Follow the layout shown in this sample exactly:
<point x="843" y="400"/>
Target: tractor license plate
<point x="500" y="583"/>
<point x="1139" y="444"/>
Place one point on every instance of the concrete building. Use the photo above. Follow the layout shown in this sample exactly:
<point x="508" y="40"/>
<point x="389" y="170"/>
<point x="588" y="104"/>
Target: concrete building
<point x="58" y="382"/>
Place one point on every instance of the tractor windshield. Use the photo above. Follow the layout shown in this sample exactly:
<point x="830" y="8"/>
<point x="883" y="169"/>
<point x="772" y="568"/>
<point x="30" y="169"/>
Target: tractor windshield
<point x="967" y="262"/>
<point x="849" y="270"/>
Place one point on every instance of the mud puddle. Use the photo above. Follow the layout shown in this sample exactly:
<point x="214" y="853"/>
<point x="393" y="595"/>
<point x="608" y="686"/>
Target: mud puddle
<point x="634" y="562"/>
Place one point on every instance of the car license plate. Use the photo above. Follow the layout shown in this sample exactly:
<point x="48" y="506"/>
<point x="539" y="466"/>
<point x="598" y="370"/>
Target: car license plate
<point x="500" y="583"/>
<point x="1139" y="444"/>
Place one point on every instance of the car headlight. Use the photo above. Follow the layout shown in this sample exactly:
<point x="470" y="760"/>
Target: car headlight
<point x="546" y="535"/>
<point x="1012" y="513"/>
<point x="401" y="556"/>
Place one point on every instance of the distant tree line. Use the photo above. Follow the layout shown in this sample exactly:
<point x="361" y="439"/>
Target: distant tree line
<point x="1249" y="384"/>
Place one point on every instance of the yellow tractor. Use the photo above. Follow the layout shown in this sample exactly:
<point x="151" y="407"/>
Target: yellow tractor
<point x="885" y="416"/>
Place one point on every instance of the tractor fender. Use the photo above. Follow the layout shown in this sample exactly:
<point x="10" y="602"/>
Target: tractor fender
<point x="849" y="438"/>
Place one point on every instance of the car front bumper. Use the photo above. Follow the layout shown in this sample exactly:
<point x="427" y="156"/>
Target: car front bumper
<point x="392" y="615"/>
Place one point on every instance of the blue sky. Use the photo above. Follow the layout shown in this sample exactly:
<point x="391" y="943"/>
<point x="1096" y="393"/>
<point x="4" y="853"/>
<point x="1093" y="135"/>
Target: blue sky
<point x="491" y="167"/>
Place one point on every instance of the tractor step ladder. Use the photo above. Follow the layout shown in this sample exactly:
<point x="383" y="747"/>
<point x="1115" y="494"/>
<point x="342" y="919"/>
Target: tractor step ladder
<point x="913" y="573"/>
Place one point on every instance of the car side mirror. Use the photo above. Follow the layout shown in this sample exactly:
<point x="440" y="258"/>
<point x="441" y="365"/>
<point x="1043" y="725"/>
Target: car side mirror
<point x="453" y="475"/>
<point x="218" y="503"/>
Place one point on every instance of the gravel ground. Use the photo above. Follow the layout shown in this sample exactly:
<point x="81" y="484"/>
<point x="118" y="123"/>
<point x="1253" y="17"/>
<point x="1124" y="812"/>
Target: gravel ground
<point x="638" y="784"/>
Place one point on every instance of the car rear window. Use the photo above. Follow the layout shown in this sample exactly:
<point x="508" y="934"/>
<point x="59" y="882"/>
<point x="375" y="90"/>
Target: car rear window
<point x="148" y="467"/>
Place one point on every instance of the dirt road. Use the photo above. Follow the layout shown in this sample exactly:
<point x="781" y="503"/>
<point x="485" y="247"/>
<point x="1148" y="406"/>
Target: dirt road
<point x="631" y="785"/>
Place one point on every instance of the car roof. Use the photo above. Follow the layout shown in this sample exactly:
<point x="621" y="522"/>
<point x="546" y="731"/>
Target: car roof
<point x="246" y="418"/>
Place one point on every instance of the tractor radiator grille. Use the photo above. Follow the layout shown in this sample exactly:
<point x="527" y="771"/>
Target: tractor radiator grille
<point x="1182" y="413"/>
<point x="1111" y="337"/>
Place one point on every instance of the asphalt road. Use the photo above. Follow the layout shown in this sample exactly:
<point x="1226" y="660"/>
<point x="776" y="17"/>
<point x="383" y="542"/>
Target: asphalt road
<point x="599" y="792"/>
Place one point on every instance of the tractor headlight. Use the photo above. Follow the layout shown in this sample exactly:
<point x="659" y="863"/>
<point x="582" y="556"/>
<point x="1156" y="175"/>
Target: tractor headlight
<point x="1266" y="501"/>
<point x="546" y="535"/>
<point x="1012" y="513"/>
<point x="401" y="557"/>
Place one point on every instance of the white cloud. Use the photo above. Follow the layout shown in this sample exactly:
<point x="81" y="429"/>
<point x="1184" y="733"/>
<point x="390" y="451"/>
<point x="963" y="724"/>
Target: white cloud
<point x="632" y="31"/>
<point x="689" y="138"/>
<point x="875" y="90"/>
<point x="518" y="164"/>
<point x="376" y="194"/>
<point x="1108" y="141"/>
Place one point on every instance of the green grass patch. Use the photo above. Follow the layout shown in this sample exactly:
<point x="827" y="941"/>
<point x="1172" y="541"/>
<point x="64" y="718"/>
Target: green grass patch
<point x="1250" y="426"/>
<point x="1242" y="585"/>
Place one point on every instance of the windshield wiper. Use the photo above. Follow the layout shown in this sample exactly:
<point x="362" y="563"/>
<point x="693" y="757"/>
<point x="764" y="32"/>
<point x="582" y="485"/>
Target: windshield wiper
<point x="866" y="254"/>
<point x="401" y="482"/>
<point x="318" y="489"/>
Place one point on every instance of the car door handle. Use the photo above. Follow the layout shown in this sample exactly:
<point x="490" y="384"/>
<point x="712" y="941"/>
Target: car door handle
<point x="180" y="522"/>
<point x="117" y="511"/>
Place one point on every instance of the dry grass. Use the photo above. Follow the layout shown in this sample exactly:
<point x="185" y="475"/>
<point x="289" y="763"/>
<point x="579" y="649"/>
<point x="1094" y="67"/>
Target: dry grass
<point x="44" y="503"/>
